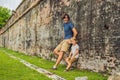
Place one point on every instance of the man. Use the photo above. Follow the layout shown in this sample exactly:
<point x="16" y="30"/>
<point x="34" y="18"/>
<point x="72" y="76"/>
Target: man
<point x="70" y="32"/>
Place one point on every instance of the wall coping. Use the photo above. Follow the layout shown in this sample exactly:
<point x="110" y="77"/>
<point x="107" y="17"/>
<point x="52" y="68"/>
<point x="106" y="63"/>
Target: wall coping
<point x="4" y="29"/>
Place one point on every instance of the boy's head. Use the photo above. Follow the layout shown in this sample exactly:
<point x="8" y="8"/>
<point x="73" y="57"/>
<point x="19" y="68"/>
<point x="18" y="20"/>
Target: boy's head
<point x="74" y="41"/>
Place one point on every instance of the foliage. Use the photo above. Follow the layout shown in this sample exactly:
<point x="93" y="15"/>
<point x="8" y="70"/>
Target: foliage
<point x="4" y="15"/>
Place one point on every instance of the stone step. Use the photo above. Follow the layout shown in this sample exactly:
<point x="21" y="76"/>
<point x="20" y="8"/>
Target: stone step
<point x="116" y="76"/>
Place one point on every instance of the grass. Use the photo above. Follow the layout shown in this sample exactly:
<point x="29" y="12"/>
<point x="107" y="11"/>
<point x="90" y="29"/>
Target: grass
<point x="48" y="64"/>
<point x="11" y="69"/>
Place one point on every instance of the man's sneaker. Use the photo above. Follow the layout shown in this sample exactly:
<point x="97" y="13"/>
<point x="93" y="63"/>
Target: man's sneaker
<point x="54" y="68"/>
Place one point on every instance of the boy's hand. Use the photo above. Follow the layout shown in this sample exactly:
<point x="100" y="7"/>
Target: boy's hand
<point x="69" y="57"/>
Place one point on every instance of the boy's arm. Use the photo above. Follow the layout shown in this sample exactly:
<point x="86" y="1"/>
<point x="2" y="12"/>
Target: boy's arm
<point x="70" y="54"/>
<point x="76" y="53"/>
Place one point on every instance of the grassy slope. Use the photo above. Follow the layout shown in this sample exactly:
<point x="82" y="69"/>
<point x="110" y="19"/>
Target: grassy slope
<point x="48" y="64"/>
<point x="11" y="69"/>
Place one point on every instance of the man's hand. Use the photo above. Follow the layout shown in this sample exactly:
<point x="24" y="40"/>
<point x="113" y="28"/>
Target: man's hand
<point x="73" y="38"/>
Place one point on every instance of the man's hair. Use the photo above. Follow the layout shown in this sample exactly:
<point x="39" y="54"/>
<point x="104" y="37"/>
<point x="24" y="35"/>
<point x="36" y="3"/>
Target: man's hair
<point x="66" y="15"/>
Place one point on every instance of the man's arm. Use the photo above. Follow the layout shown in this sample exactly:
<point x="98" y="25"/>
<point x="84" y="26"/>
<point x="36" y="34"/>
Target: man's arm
<point x="63" y="34"/>
<point x="74" y="33"/>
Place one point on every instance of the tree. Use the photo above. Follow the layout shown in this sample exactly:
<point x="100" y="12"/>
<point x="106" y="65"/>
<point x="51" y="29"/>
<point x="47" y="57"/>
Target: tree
<point x="4" y="15"/>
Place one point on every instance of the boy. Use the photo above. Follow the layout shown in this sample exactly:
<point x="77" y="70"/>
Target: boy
<point x="74" y="54"/>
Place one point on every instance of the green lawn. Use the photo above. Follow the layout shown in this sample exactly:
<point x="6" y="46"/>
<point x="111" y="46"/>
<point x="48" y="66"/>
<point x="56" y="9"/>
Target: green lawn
<point x="11" y="69"/>
<point x="48" y="64"/>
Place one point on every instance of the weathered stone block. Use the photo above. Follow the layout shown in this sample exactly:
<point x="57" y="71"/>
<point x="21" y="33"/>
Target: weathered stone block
<point x="115" y="77"/>
<point x="81" y="78"/>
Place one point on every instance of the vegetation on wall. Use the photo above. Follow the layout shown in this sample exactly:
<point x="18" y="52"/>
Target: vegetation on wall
<point x="5" y="13"/>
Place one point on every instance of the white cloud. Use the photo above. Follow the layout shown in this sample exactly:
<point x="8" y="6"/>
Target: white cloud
<point x="11" y="4"/>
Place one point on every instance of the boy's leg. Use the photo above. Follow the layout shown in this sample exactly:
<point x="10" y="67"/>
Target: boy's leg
<point x="70" y="63"/>
<point x="67" y="60"/>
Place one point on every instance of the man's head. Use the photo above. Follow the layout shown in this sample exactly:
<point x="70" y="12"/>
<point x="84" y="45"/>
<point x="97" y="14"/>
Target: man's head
<point x="65" y="18"/>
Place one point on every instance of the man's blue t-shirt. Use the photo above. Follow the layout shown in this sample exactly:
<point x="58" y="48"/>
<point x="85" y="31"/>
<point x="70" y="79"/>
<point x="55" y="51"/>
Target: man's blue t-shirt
<point x="68" y="30"/>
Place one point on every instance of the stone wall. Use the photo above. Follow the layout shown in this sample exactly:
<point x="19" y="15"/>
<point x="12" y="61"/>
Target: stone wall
<point x="36" y="29"/>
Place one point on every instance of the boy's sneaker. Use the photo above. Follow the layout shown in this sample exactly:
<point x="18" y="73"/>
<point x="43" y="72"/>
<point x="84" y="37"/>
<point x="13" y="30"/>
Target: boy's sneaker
<point x="71" y="68"/>
<point x="66" y="70"/>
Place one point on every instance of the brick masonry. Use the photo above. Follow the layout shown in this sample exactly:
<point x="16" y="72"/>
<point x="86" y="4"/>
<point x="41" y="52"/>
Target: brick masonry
<point x="36" y="29"/>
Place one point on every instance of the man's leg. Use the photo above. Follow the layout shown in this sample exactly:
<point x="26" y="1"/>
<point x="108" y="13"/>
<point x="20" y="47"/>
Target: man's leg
<point x="58" y="48"/>
<point x="56" y="52"/>
<point x="62" y="47"/>
<point x="60" y="56"/>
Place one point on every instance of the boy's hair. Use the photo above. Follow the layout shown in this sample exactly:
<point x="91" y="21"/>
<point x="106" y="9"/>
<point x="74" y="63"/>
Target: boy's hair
<point x="75" y="40"/>
<point x="66" y="15"/>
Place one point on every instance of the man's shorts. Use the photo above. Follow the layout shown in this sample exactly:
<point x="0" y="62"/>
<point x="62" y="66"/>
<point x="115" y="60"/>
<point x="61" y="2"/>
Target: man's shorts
<point x="63" y="46"/>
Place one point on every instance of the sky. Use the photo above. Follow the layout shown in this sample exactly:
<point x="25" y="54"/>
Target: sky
<point x="11" y="4"/>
